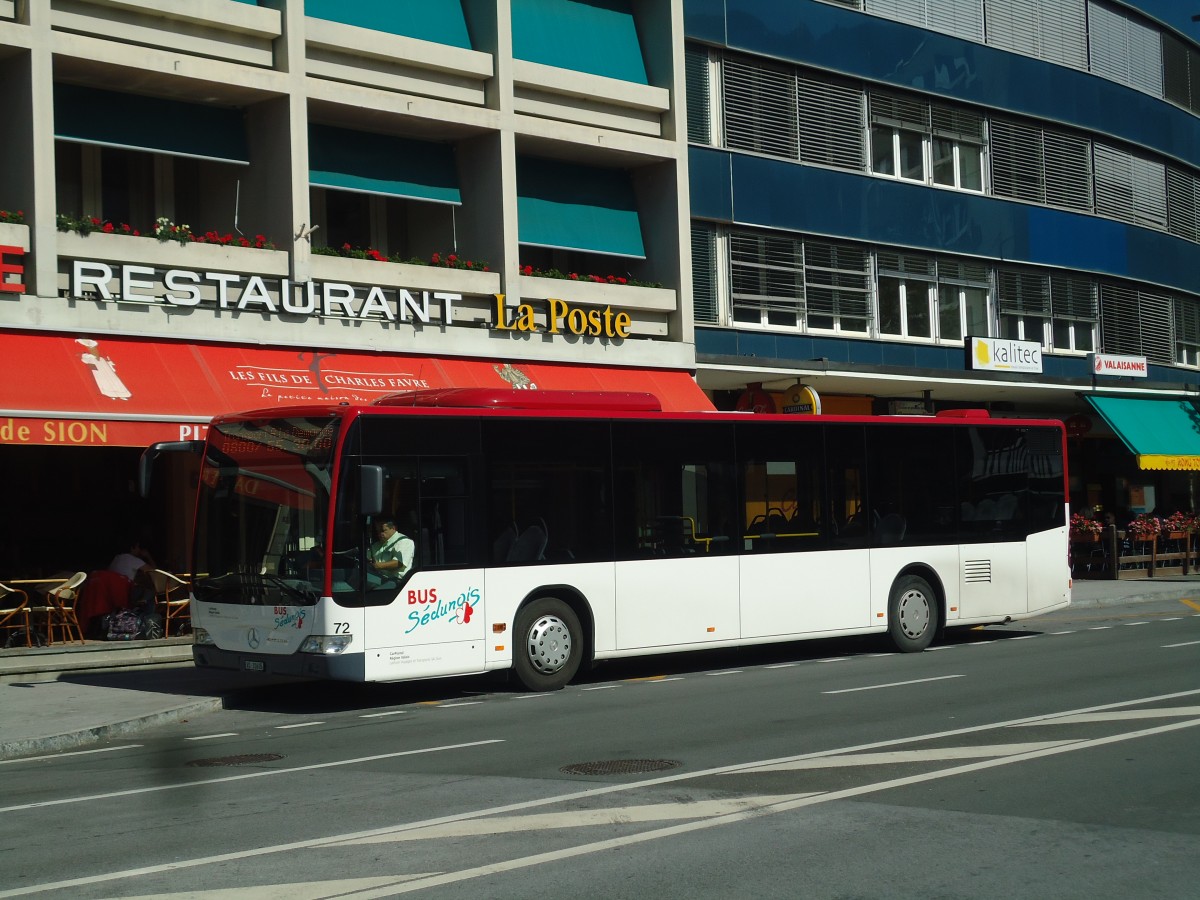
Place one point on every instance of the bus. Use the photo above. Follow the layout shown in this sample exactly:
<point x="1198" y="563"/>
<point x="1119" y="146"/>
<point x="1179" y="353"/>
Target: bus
<point x="546" y="531"/>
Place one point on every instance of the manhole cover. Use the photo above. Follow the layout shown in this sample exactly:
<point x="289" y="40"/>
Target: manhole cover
<point x="620" y="766"/>
<point x="244" y="759"/>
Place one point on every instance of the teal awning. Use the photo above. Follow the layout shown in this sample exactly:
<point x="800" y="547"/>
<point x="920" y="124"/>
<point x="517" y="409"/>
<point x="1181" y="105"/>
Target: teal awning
<point x="572" y="207"/>
<point x="440" y="21"/>
<point x="1163" y="434"/>
<point x="594" y="36"/>
<point x="136" y="122"/>
<point x="380" y="164"/>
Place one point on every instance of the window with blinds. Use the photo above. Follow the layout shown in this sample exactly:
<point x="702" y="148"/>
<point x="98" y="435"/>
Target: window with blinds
<point x="905" y="295"/>
<point x="1181" y="73"/>
<point x="837" y="284"/>
<point x="831" y="124"/>
<point x="1075" y="313"/>
<point x="961" y="18"/>
<point x="1183" y="204"/>
<point x="759" y="108"/>
<point x="704" y="274"/>
<point x="1124" y="49"/>
<point x="1130" y="188"/>
<point x="697" y="72"/>
<point x="766" y="279"/>
<point x="1187" y="330"/>
<point x="1023" y="302"/>
<point x="1040" y="166"/>
<point x="1136" y="323"/>
<point x="919" y="141"/>
<point x="1053" y="30"/>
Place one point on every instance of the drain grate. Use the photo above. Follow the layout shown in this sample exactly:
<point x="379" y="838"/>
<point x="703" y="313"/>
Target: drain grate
<point x="620" y="766"/>
<point x="243" y="759"/>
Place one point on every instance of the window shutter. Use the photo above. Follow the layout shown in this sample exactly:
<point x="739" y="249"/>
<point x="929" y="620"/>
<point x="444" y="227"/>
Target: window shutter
<point x="1124" y="50"/>
<point x="1136" y="323"/>
<point x="1063" y="32"/>
<point x="759" y="109"/>
<point x="910" y="11"/>
<point x="1158" y="332"/>
<point x="1023" y="293"/>
<point x="1074" y="298"/>
<point x="961" y="18"/>
<point x="704" y="273"/>
<point x="1181" y="70"/>
<point x="1130" y="188"/>
<point x="963" y="272"/>
<point x="899" y="112"/>
<point x="699" y="95"/>
<point x="831" y="124"/>
<point x="1183" y="204"/>
<point x="1016" y="155"/>
<point x="906" y="264"/>
<point x="962" y="124"/>
<point x="1013" y="25"/>
<point x="1187" y="320"/>
<point x="837" y="281"/>
<point x="767" y="270"/>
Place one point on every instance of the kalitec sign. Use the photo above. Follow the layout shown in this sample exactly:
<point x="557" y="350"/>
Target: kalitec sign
<point x="254" y="293"/>
<point x="1003" y="355"/>
<point x="1108" y="364"/>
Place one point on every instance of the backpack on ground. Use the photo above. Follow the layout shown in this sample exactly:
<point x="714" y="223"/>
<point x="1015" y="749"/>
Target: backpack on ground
<point x="123" y="625"/>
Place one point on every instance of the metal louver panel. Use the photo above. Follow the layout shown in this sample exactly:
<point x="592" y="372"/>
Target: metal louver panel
<point x="961" y="272"/>
<point x="1016" y="154"/>
<point x="1023" y="293"/>
<point x="1063" y="32"/>
<point x="1187" y="320"/>
<point x="956" y="123"/>
<point x="1130" y="188"/>
<point x="1074" y="298"/>
<point x="699" y="96"/>
<point x="759" y="109"/>
<point x="849" y="4"/>
<point x="831" y="124"/>
<point x="961" y="18"/>
<point x="910" y="11"/>
<point x="767" y="269"/>
<point x="1013" y="25"/>
<point x="1181" y="70"/>
<point x="1136" y="323"/>
<point x="977" y="571"/>
<point x="704" y="273"/>
<point x="1124" y="50"/>
<point x="893" y="263"/>
<point x="1068" y="170"/>
<point x="837" y="280"/>
<point x="1183" y="204"/>
<point x="903" y="112"/>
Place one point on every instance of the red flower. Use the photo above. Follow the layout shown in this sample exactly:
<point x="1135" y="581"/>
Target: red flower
<point x="108" y="228"/>
<point x="346" y="247"/>
<point x="452" y="259"/>
<point x="622" y="280"/>
<point x="136" y="233"/>
<point x="574" y="276"/>
<point x="487" y="268"/>
<point x="470" y="265"/>
<point x="436" y="258"/>
<point x="527" y="270"/>
<point x="95" y="221"/>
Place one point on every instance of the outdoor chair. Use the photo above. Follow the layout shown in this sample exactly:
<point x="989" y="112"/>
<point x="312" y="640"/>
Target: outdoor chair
<point x="60" y="609"/>
<point x="171" y="596"/>
<point x="14" y="614"/>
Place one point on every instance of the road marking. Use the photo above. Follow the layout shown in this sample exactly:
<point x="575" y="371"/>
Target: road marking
<point x="539" y="696"/>
<point x="1100" y="628"/>
<point x="875" y="687"/>
<point x="1192" y="603"/>
<point x="622" y="815"/>
<point x="600" y="687"/>
<point x="1185" y="644"/>
<point x="179" y="865"/>
<point x="1022" y="637"/>
<point x="782" y="665"/>
<point x="940" y="647"/>
<point x="457" y="705"/>
<point x="209" y="737"/>
<point x="833" y="659"/>
<point x="1127" y="715"/>
<point x="660" y="679"/>
<point x="1135" y="623"/>
<point x="936" y="754"/>
<point x="390" y="712"/>
<point x="726" y="672"/>
<point x="299" y="725"/>
<point x="69" y="753"/>
<point x="1172" y="619"/>
<point x="1062" y="632"/>
<point x="263" y="773"/>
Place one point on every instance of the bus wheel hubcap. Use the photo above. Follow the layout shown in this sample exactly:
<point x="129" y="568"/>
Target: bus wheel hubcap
<point x="914" y="613"/>
<point x="549" y="644"/>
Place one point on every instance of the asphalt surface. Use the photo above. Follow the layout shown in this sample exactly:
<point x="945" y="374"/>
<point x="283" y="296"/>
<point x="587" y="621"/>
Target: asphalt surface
<point x="63" y="698"/>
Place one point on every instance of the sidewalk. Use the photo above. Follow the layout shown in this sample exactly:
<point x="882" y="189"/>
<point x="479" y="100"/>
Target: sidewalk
<point x="59" y="698"/>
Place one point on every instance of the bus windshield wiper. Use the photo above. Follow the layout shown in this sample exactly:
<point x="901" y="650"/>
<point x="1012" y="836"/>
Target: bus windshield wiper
<point x="299" y="589"/>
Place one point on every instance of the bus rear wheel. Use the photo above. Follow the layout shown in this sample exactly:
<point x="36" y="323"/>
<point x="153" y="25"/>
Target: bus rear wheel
<point x="549" y="644"/>
<point x="912" y="614"/>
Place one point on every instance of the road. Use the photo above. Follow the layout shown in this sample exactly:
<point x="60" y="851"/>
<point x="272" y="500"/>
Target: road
<point x="1054" y="758"/>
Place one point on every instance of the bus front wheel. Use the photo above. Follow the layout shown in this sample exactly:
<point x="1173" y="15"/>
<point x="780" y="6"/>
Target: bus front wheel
<point x="912" y="614"/>
<point x="550" y="644"/>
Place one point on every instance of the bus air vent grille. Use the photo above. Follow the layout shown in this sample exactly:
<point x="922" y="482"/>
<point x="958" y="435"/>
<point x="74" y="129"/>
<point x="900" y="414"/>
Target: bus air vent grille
<point x="977" y="571"/>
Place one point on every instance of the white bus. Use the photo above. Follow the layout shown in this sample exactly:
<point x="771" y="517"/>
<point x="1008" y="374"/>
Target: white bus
<point x="550" y="530"/>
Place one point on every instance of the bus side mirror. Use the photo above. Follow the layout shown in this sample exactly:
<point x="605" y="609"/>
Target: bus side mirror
<point x="371" y="502"/>
<point x="154" y="451"/>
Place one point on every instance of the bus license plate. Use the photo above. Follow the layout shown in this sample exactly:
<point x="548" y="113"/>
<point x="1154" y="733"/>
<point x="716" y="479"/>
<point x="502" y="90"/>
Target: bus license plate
<point x="252" y="665"/>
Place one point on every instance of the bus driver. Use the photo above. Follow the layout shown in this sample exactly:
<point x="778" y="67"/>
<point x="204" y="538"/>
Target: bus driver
<point x="391" y="554"/>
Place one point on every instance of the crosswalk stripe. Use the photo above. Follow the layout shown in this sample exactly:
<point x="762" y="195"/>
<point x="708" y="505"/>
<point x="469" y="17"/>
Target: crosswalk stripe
<point x="936" y="754"/>
<point x="1122" y="715"/>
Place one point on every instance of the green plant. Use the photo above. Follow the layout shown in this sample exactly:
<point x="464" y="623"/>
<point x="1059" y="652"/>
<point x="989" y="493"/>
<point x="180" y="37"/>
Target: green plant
<point x="12" y="218"/>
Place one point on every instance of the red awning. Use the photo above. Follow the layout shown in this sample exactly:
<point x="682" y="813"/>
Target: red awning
<point x="67" y="390"/>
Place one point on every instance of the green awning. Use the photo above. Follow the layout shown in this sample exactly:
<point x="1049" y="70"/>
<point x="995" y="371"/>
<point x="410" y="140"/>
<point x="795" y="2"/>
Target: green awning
<point x="440" y="21"/>
<point x="380" y="164"/>
<point x="572" y="207"/>
<point x="136" y="122"/>
<point x="595" y="36"/>
<point x="1163" y="434"/>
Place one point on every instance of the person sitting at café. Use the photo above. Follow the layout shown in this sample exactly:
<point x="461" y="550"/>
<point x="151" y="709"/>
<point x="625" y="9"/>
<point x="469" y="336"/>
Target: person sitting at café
<point x="135" y="565"/>
<point x="391" y="554"/>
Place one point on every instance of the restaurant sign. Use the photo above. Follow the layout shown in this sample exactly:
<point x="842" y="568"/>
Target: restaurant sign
<point x="95" y="432"/>
<point x="1003" y="355"/>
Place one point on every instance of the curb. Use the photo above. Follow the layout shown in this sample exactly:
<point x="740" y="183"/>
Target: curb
<point x="70" y="740"/>
<point x="46" y="662"/>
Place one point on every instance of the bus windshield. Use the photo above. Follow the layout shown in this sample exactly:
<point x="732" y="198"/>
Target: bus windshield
<point x="262" y="507"/>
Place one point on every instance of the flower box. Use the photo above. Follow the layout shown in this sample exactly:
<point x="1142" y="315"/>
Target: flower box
<point x="13" y="235"/>
<point x="403" y="275"/>
<point x="150" y="251"/>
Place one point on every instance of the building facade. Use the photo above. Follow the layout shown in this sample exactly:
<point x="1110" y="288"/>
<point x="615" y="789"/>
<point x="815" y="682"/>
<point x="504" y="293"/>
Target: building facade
<point x="912" y="205"/>
<point x="230" y="204"/>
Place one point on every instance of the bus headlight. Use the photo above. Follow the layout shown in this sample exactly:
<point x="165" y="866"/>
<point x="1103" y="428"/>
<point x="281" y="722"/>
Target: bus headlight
<point x="202" y="637"/>
<point x="328" y="644"/>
